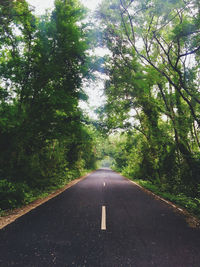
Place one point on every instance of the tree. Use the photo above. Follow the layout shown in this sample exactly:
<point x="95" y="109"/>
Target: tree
<point x="44" y="61"/>
<point x="153" y="74"/>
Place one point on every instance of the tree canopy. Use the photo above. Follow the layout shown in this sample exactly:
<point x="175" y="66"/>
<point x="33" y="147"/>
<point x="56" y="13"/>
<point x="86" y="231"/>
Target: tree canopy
<point x="43" y="138"/>
<point x="152" y="112"/>
<point x="153" y="88"/>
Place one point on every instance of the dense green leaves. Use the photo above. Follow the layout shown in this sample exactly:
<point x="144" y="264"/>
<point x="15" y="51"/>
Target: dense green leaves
<point x="153" y="89"/>
<point x="43" y="62"/>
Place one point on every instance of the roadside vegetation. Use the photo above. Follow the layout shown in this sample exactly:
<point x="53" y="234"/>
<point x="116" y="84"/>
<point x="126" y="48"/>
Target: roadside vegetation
<point x="45" y="140"/>
<point x="153" y="94"/>
<point x="188" y="203"/>
<point x="149" y="128"/>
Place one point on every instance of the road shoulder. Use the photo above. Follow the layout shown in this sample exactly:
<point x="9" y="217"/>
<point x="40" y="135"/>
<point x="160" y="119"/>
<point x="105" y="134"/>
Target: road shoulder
<point x="191" y="220"/>
<point x="13" y="215"/>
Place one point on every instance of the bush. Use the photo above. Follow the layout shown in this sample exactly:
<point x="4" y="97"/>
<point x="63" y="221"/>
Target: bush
<point x="12" y="194"/>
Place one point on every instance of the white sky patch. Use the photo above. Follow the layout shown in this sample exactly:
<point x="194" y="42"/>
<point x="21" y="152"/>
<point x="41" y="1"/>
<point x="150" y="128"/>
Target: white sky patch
<point x="132" y="120"/>
<point x="164" y="117"/>
<point x="95" y="91"/>
<point x="91" y="4"/>
<point x="100" y="51"/>
<point x="41" y="6"/>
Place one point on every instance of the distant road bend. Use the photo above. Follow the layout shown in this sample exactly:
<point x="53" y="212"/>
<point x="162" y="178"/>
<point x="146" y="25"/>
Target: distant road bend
<point x="102" y="221"/>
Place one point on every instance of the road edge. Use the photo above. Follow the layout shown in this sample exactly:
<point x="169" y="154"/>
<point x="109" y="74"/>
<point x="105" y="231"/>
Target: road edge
<point x="19" y="212"/>
<point x="191" y="220"/>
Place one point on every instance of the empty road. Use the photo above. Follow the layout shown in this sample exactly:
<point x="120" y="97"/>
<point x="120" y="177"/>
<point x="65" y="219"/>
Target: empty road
<point x="104" y="220"/>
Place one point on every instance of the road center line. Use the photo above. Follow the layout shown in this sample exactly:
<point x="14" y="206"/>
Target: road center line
<point x="103" y="218"/>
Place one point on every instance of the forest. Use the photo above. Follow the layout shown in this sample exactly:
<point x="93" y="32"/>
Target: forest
<point x="153" y="93"/>
<point x="149" y="128"/>
<point x="45" y="140"/>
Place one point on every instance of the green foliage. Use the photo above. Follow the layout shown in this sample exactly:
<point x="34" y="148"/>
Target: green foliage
<point x="43" y="142"/>
<point x="12" y="194"/>
<point x="152" y="95"/>
<point x="152" y="92"/>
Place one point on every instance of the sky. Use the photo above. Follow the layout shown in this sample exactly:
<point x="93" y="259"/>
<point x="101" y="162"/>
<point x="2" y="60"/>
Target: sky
<point x="93" y="89"/>
<point x="41" y="6"/>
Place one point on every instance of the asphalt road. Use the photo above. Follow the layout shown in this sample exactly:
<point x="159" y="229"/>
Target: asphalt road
<point x="132" y="229"/>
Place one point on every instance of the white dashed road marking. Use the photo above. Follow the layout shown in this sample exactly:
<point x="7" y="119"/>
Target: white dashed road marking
<point x="103" y="218"/>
